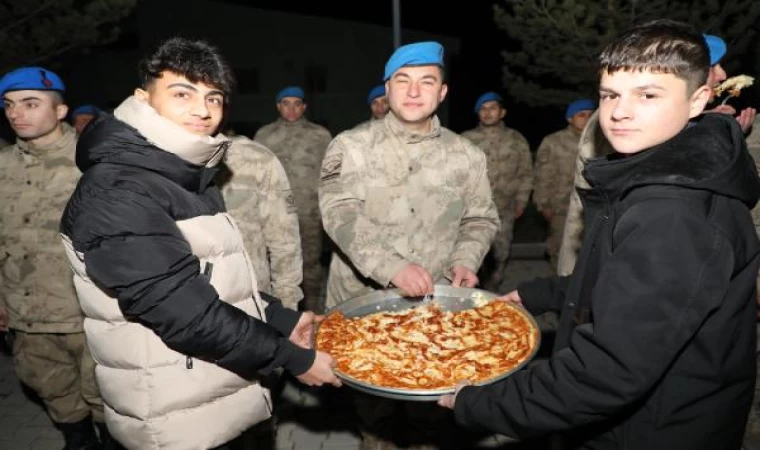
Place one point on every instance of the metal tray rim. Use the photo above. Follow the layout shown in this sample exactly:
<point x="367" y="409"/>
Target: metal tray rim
<point x="428" y="394"/>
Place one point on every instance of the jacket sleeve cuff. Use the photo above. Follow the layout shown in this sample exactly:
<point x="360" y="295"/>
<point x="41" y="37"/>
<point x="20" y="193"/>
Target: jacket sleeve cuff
<point x="296" y="360"/>
<point x="463" y="400"/>
<point x="538" y="296"/>
<point x="279" y="317"/>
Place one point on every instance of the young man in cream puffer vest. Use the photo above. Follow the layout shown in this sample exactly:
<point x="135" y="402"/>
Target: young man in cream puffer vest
<point x="180" y="334"/>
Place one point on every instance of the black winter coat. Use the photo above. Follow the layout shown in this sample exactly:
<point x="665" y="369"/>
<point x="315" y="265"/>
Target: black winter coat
<point x="656" y="343"/>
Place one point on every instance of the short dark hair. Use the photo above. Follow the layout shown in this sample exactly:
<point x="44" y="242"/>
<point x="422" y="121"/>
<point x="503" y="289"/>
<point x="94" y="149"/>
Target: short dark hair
<point x="660" y="46"/>
<point x="196" y="60"/>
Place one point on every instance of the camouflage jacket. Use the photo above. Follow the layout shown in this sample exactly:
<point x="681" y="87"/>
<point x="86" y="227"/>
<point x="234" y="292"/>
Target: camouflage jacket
<point x="300" y="147"/>
<point x="37" y="283"/>
<point x="390" y="197"/>
<point x="555" y="166"/>
<point x="257" y="195"/>
<point x="510" y="168"/>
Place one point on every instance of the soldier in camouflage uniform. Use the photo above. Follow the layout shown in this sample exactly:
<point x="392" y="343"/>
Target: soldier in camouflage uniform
<point x="408" y="204"/>
<point x="37" y="299"/>
<point x="300" y="146"/>
<point x="555" y="166"/>
<point x="257" y="194"/>
<point x="510" y="172"/>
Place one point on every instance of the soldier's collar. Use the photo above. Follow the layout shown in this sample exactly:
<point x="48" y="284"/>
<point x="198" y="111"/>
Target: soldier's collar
<point x="67" y="141"/>
<point x="398" y="128"/>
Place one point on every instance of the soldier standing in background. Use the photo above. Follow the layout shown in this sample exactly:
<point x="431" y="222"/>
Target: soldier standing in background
<point x="37" y="300"/>
<point x="300" y="146"/>
<point x="257" y="194"/>
<point x="510" y="173"/>
<point x="555" y="166"/>
<point x="378" y="102"/>
<point x="81" y="116"/>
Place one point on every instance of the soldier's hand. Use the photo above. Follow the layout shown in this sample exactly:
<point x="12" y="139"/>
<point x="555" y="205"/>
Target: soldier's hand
<point x="513" y="297"/>
<point x="3" y="319"/>
<point x="547" y="215"/>
<point x="519" y="211"/>
<point x="304" y="329"/>
<point x="463" y="277"/>
<point x="321" y="372"/>
<point x="413" y="280"/>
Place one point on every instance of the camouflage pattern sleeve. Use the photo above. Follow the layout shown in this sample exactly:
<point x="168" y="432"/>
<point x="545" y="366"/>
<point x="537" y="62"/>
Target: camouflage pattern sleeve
<point x="259" y="197"/>
<point x="545" y="173"/>
<point x="342" y="194"/>
<point x="480" y="221"/>
<point x="525" y="173"/>
<point x="280" y="227"/>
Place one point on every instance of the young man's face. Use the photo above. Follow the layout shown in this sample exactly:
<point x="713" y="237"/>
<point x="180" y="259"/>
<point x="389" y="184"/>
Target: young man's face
<point x="638" y="110"/>
<point x="291" y="108"/>
<point x="196" y="107"/>
<point x="579" y="120"/>
<point x="491" y="113"/>
<point x="379" y="107"/>
<point x="715" y="77"/>
<point x="35" y="116"/>
<point x="414" y="93"/>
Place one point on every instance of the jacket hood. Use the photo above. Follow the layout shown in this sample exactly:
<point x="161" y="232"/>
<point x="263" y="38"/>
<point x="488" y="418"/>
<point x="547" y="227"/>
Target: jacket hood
<point x="709" y="154"/>
<point x="135" y="135"/>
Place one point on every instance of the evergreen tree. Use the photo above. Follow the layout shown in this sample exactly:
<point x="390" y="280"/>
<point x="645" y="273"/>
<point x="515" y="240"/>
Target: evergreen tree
<point x="554" y="43"/>
<point x="36" y="31"/>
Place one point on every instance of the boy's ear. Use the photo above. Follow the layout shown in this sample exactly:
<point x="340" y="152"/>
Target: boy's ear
<point x="699" y="100"/>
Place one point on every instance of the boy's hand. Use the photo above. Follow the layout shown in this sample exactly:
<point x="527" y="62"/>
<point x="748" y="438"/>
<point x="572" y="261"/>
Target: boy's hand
<point x="463" y="277"/>
<point x="321" y="372"/>
<point x="304" y="329"/>
<point x="447" y="401"/>
<point x="513" y="297"/>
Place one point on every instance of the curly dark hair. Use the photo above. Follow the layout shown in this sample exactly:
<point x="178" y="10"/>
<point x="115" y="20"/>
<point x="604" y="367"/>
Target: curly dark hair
<point x="196" y="60"/>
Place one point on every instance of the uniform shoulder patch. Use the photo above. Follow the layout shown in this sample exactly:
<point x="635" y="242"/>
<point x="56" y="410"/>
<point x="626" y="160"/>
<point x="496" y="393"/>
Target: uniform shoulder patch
<point x="332" y="166"/>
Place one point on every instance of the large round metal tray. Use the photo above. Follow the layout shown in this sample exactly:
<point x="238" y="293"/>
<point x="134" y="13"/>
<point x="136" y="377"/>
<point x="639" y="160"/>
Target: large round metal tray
<point x="450" y="299"/>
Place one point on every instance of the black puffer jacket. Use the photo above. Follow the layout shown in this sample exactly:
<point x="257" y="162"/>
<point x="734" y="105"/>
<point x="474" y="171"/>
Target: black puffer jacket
<point x="656" y="343"/>
<point x="122" y="218"/>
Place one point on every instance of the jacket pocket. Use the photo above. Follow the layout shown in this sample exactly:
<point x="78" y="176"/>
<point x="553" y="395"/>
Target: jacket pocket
<point x="387" y="205"/>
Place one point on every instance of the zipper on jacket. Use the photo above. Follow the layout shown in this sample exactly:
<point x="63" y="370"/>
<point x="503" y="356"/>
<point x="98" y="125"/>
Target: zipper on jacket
<point x="208" y="269"/>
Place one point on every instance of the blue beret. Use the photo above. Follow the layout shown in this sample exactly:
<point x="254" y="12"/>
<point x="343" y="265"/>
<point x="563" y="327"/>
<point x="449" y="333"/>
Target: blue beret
<point x="32" y="78"/>
<point x="417" y="54"/>
<point x="487" y="97"/>
<point x="578" y="106"/>
<point x="290" y="91"/>
<point x="85" y="109"/>
<point x="717" y="47"/>
<point x="377" y="91"/>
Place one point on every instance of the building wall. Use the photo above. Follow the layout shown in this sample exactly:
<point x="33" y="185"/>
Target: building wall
<point x="337" y="62"/>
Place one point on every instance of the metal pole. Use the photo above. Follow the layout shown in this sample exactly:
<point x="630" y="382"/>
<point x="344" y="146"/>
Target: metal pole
<point x="396" y="23"/>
